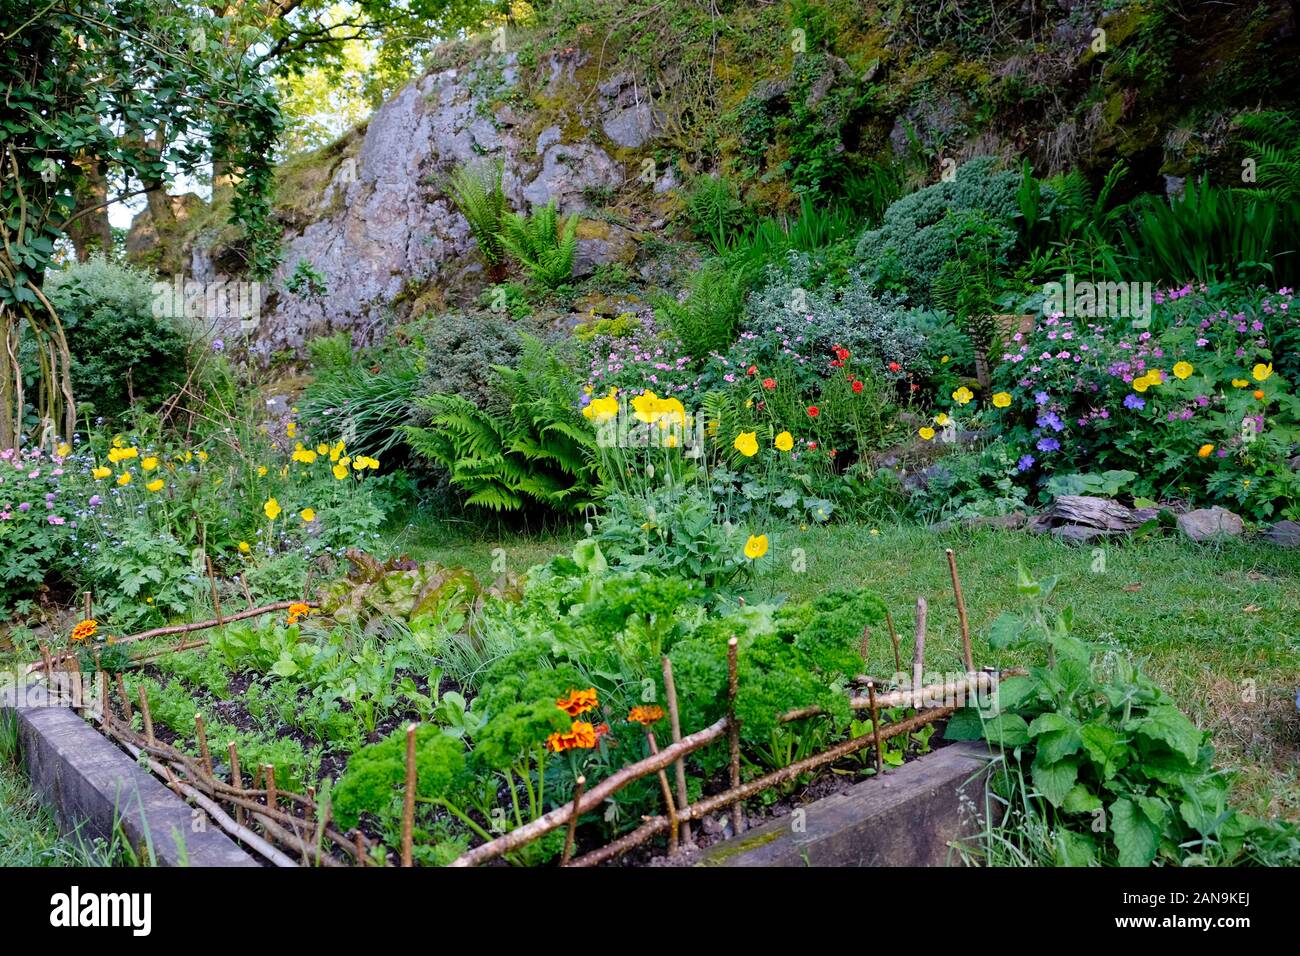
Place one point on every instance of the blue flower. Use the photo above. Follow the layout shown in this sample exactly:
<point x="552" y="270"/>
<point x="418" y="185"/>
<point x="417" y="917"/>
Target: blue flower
<point x="1042" y="398"/>
<point x="1048" y="444"/>
<point x="1051" y="420"/>
<point x="1134" y="401"/>
<point x="1025" y="463"/>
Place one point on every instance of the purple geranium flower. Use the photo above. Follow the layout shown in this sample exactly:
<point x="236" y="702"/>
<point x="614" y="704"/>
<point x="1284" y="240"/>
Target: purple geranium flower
<point x="1048" y="444"/>
<point x="1134" y="401"/>
<point x="1025" y="463"/>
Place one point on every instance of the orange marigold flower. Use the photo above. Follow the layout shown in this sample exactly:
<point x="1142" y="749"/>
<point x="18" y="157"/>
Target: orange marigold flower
<point x="582" y="735"/>
<point x="557" y="742"/>
<point x="85" y="630"/>
<point x="297" y="612"/>
<point x="578" y="701"/>
<point x="646" y="715"/>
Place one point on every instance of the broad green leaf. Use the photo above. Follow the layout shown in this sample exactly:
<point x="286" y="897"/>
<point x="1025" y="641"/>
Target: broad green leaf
<point x="1109" y="751"/>
<point x="1079" y="800"/>
<point x="1168" y="725"/>
<point x="1054" y="780"/>
<point x="1136" y="838"/>
<point x="1007" y="730"/>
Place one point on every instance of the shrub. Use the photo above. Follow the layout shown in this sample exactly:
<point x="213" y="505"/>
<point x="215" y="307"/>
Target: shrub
<point x="715" y="210"/>
<point x="790" y="320"/>
<point x="121" y="352"/>
<point x="459" y="351"/>
<point x="917" y="234"/>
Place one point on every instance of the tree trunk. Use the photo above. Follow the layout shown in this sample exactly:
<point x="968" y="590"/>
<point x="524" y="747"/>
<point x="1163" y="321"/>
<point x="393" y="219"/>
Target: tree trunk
<point x="92" y="232"/>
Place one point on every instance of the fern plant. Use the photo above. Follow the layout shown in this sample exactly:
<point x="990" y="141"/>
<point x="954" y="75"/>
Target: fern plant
<point x="706" y="322"/>
<point x="476" y="191"/>
<point x="544" y="245"/>
<point x="540" y="451"/>
<point x="1275" y="141"/>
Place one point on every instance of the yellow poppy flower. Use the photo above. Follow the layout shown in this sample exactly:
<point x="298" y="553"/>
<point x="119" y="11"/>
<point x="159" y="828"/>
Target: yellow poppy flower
<point x="756" y="546"/>
<point x="244" y="547"/>
<point x="304" y="455"/>
<point x="291" y="429"/>
<point x="943" y="360"/>
<point x="308" y="515"/>
<point x="1239" y="383"/>
<point x="271" y="509"/>
<point x="646" y="407"/>
<point x="942" y="419"/>
<point x="600" y="409"/>
<point x="1002" y="400"/>
<point x="746" y="443"/>
<point x="323" y="448"/>
<point x="1205" y="451"/>
<point x="101" y="473"/>
<point x="1141" y="383"/>
<point x="963" y="395"/>
<point x="124" y="478"/>
<point x="340" y="472"/>
<point x="1183" y="370"/>
<point x="1262" y="371"/>
<point x="64" y="450"/>
<point x="149" y="464"/>
<point x="336" y="451"/>
<point x="261" y="471"/>
<point x="155" y="485"/>
<point x="784" y="441"/>
<point x="118" y="441"/>
<point x="122" y="454"/>
<point x="926" y="433"/>
<point x="1155" y="376"/>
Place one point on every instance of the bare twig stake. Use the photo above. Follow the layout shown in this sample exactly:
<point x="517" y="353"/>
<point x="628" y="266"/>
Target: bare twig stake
<point x="578" y="786"/>
<point x="107" y="715"/>
<point x="875" y="728"/>
<point x="268" y="772"/>
<point x="46" y="660"/>
<point x="183" y="629"/>
<point x="216" y="598"/>
<point x="199" y="732"/>
<point x="236" y="778"/>
<point x="73" y="668"/>
<point x="893" y="638"/>
<point x="126" y="700"/>
<point x="361" y="848"/>
<point x="248" y="595"/>
<point x="733" y="732"/>
<point x="408" y="798"/>
<point x="668" y="796"/>
<point x="87" y="603"/>
<point x="679" y="768"/>
<point x="967" y="657"/>
<point x="918" y="649"/>
<point x="145" y="715"/>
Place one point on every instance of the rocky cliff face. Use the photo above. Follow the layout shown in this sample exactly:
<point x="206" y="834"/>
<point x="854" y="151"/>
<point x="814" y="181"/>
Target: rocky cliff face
<point x="370" y="217"/>
<point x="605" y="117"/>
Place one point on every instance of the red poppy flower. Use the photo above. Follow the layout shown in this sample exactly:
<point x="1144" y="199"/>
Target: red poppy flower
<point x="832" y="452"/>
<point x="769" y="383"/>
<point x="841" y="353"/>
<point x="895" y="367"/>
<point x="857" y="387"/>
<point x="813" y="411"/>
<point x="812" y="445"/>
<point x="752" y="370"/>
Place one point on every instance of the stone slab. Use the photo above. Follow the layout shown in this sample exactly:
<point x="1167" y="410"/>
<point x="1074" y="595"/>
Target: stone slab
<point x="908" y="817"/>
<point x="93" y="786"/>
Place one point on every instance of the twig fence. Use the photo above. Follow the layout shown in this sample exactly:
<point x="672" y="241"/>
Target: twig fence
<point x="295" y="822"/>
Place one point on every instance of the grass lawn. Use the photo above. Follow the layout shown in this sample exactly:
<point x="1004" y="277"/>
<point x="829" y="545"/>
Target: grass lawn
<point x="28" y="835"/>
<point x="1217" y="626"/>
